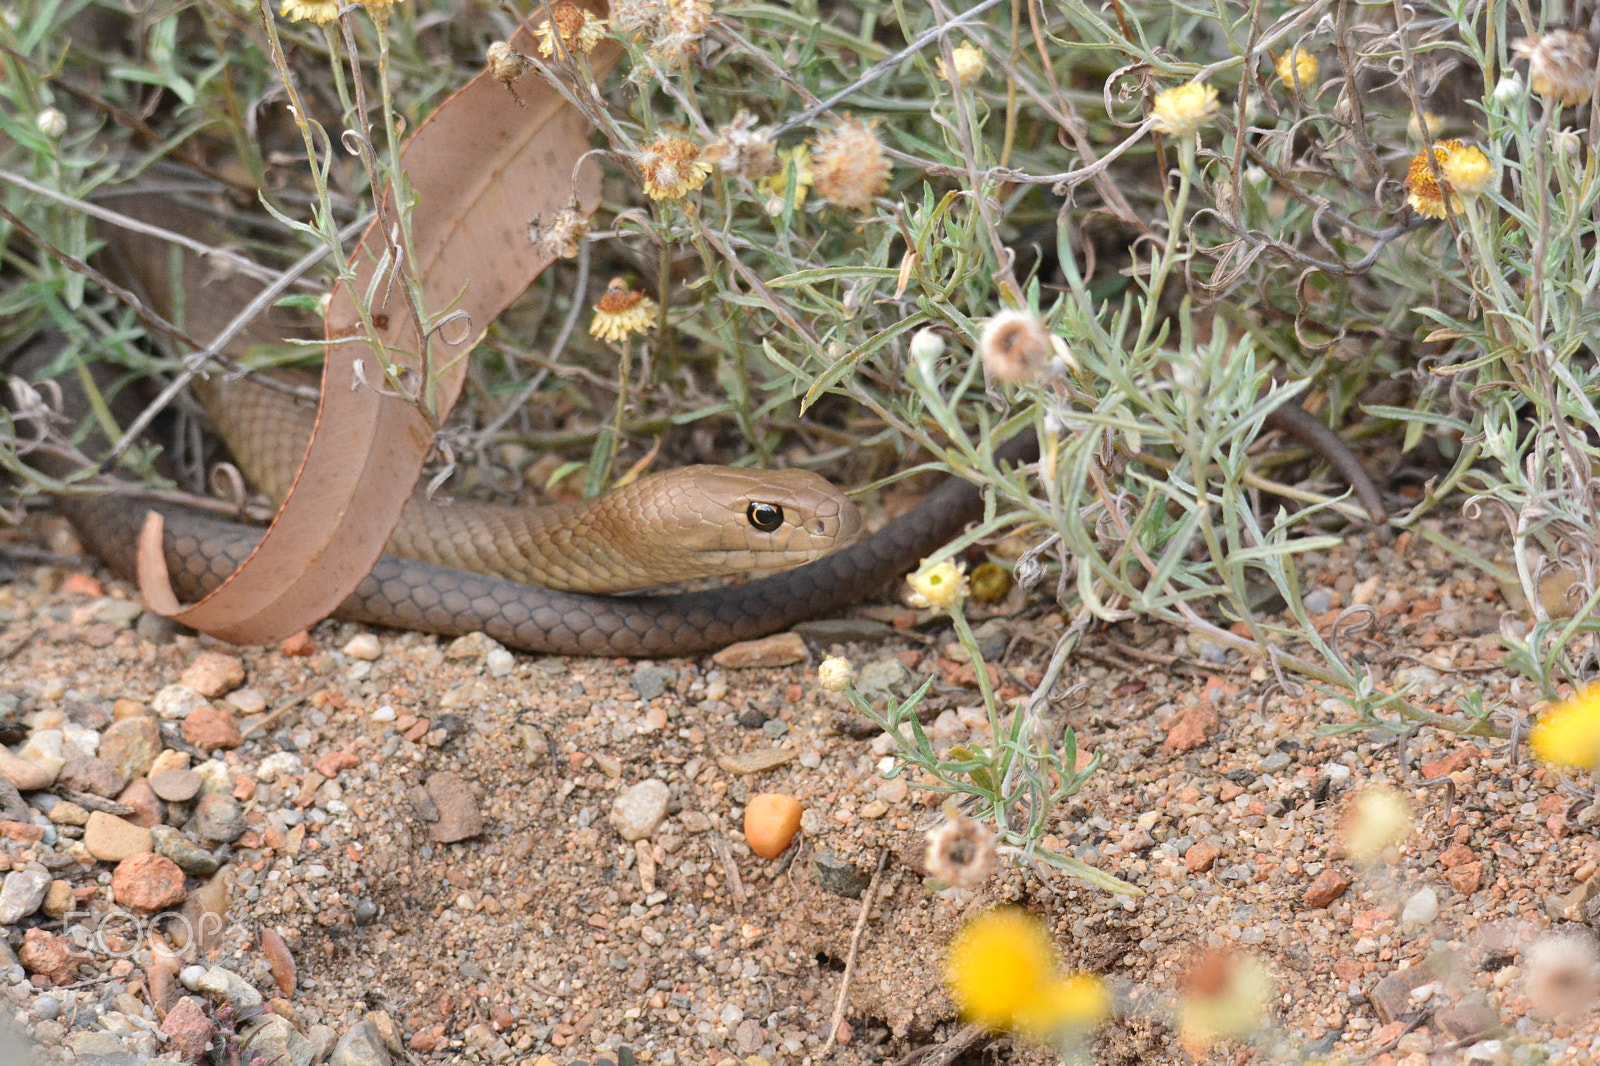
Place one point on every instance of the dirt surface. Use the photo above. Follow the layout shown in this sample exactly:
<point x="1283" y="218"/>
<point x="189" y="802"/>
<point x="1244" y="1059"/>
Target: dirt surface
<point x="548" y="934"/>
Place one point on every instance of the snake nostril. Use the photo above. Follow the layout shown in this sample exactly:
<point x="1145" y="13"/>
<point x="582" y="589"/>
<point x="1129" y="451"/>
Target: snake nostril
<point x="765" y="517"/>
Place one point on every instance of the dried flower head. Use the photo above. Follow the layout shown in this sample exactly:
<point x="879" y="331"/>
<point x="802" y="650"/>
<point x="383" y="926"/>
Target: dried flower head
<point x="1563" y="975"/>
<point x="777" y="186"/>
<point x="1181" y="112"/>
<point x="966" y="64"/>
<point x="672" y="29"/>
<point x="1414" y="126"/>
<point x="1379" y="817"/>
<point x="1015" y="346"/>
<point x="671" y="167"/>
<point x="507" y="66"/>
<point x="1469" y="164"/>
<point x="1561" y="65"/>
<point x="320" y="12"/>
<point x="961" y="853"/>
<point x="578" y="29"/>
<point x="560" y="238"/>
<point x="1002" y="974"/>
<point x="622" y="311"/>
<point x="941" y="586"/>
<point x="1297" y="64"/>
<point x="1569" y="736"/>
<point x="850" y="166"/>
<point x="835" y="674"/>
<point x="743" y="151"/>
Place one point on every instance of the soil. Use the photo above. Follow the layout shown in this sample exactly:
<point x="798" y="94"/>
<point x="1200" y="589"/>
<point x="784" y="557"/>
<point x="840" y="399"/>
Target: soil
<point x="549" y="935"/>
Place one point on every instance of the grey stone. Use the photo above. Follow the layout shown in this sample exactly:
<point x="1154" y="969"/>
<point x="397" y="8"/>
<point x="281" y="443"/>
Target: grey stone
<point x="278" y="1042"/>
<point x="217" y="817"/>
<point x="47" y="1007"/>
<point x="652" y="681"/>
<point x="840" y="876"/>
<point x="360" y="1046"/>
<point x="227" y="985"/>
<point x="190" y="857"/>
<point x="23" y="892"/>
<point x="844" y="631"/>
<point x="92" y="774"/>
<point x="992" y="637"/>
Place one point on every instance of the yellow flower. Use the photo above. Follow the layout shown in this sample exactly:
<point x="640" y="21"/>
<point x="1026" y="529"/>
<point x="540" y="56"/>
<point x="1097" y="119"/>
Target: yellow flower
<point x="1182" y="111"/>
<point x="320" y="12"/>
<point x="1467" y="170"/>
<point x="1560" y="65"/>
<point x="1569" y="736"/>
<point x="850" y="166"/>
<point x="671" y="168"/>
<point x="1380" y="817"/>
<point x="622" y="311"/>
<point x="1434" y="122"/>
<point x="1001" y="972"/>
<point x="941" y="586"/>
<point x="966" y="59"/>
<point x="578" y="29"/>
<point x="777" y="186"/>
<point x="1298" y="63"/>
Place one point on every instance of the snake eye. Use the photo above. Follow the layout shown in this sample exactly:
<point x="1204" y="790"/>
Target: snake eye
<point x="764" y="516"/>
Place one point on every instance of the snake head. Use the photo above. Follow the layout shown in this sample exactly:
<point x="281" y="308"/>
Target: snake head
<point x="713" y="520"/>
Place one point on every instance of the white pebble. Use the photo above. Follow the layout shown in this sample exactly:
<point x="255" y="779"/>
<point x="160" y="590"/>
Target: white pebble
<point x="190" y="976"/>
<point x="1420" y="910"/>
<point x="385" y="713"/>
<point x="363" y="646"/>
<point x="499" y="662"/>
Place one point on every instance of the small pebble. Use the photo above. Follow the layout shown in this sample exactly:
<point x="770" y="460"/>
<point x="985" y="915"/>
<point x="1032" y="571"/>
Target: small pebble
<point x="363" y="646"/>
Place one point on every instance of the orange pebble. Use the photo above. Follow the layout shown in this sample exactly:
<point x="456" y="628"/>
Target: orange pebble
<point x="771" y="819"/>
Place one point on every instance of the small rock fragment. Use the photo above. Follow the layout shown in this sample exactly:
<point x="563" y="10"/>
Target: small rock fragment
<point x="780" y="649"/>
<point x="740" y="763"/>
<point x="92" y="774"/>
<point x="1329" y="886"/>
<point x="639" y="809"/>
<point x="1201" y="857"/>
<point x="24" y="775"/>
<point x="360" y="1046"/>
<point x="363" y="646"/>
<point x="188" y="1030"/>
<point x="217" y="817"/>
<point x="229" y="986"/>
<point x="190" y="857"/>
<point x="148" y="810"/>
<point x="459" y="817"/>
<point x="112" y="839"/>
<point x="279" y="961"/>
<point x="22" y="892"/>
<point x="131" y="745"/>
<point x="147" y="883"/>
<point x="213" y="674"/>
<point x="175" y="786"/>
<point x="277" y="1041"/>
<point x="48" y="955"/>
<point x="212" y="729"/>
<point x="43" y="749"/>
<point x="177" y="701"/>
<point x="840" y="876"/>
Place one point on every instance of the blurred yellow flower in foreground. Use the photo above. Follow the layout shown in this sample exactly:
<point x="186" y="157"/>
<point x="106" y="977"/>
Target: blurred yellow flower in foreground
<point x="1466" y="172"/>
<point x="1002" y="973"/>
<point x="1569" y="736"/>
<point x="1379" y="818"/>
<point x="1297" y="63"/>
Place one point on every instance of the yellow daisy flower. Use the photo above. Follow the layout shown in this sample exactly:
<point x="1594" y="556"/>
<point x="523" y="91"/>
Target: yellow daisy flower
<point x="1182" y="111"/>
<point x="1569" y="736"/>
<point x="622" y="311"/>
<point x="319" y="12"/>
<point x="941" y="586"/>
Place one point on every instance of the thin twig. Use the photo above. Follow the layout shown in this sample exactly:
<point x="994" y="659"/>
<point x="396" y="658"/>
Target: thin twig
<point x="867" y="899"/>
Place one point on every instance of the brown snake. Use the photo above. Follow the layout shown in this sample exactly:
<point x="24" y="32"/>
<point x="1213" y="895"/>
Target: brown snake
<point x="425" y="595"/>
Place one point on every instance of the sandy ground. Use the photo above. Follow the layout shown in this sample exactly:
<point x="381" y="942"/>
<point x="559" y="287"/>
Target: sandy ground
<point x="548" y="934"/>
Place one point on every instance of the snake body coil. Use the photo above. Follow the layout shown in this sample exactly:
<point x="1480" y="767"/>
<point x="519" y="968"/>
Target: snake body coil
<point x="408" y="594"/>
